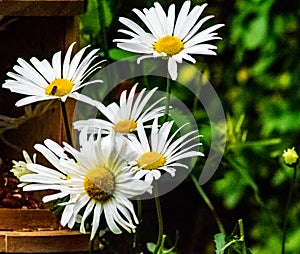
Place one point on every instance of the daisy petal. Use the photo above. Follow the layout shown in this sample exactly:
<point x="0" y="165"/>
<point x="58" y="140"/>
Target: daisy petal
<point x="172" y="68"/>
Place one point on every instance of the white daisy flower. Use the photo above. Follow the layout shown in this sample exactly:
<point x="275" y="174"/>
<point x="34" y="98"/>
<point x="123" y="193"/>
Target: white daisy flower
<point x="123" y="118"/>
<point x="42" y="81"/>
<point x="161" y="152"/>
<point x="97" y="183"/>
<point x="169" y="38"/>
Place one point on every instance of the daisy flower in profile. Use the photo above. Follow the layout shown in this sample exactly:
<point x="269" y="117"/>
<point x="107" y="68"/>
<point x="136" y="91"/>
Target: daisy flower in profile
<point x="161" y="152"/>
<point x="42" y="80"/>
<point x="123" y="118"/>
<point x="20" y="167"/>
<point x="169" y="37"/>
<point x="97" y="182"/>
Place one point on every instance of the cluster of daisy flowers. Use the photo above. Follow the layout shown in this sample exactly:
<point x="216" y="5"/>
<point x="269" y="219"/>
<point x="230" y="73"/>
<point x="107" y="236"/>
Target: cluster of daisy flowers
<point x="117" y="158"/>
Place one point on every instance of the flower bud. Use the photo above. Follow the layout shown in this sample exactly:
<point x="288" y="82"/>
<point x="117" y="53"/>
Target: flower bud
<point x="20" y="167"/>
<point x="290" y="157"/>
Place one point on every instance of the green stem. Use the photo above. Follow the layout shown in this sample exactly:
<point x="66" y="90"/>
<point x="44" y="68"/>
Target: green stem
<point x="208" y="203"/>
<point x="242" y="236"/>
<point x="196" y="99"/>
<point x="287" y="211"/>
<point x="168" y="96"/>
<point x="137" y="233"/>
<point x="159" y="219"/>
<point x="155" y="185"/>
<point x="91" y="246"/>
<point x="140" y="209"/>
<point x="146" y="82"/>
<point x="103" y="36"/>
<point x="66" y="122"/>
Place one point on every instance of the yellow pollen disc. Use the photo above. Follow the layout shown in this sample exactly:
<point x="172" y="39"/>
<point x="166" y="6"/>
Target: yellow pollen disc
<point x="59" y="87"/>
<point x="151" y="160"/>
<point x="125" y="126"/>
<point x="169" y="44"/>
<point x="99" y="184"/>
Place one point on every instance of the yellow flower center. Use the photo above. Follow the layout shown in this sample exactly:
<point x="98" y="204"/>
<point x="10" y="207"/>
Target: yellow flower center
<point x="151" y="160"/>
<point x="169" y="44"/>
<point x="59" y="87"/>
<point x="125" y="126"/>
<point x="99" y="184"/>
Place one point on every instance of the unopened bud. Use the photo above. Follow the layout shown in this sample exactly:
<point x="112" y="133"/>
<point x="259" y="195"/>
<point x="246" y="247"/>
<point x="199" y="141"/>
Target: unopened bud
<point x="290" y="157"/>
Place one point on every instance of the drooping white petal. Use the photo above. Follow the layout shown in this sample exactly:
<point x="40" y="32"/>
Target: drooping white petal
<point x="96" y="219"/>
<point x="172" y="68"/>
<point x="66" y="215"/>
<point x="109" y="211"/>
<point x="88" y="210"/>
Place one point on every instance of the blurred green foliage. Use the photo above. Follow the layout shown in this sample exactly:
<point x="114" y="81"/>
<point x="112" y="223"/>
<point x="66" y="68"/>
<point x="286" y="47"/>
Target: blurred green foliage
<point x="256" y="75"/>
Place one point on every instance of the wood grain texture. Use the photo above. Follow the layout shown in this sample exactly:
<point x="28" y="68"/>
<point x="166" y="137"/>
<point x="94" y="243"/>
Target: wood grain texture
<point x="2" y="243"/>
<point x="41" y="7"/>
<point x="56" y="241"/>
<point x="27" y="219"/>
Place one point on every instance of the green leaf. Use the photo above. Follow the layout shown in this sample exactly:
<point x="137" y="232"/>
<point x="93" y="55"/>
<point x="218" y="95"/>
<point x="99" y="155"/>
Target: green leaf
<point x="241" y="166"/>
<point x="257" y="32"/>
<point x="220" y="243"/>
<point x="230" y="189"/>
<point x="151" y="247"/>
<point x="281" y="121"/>
<point x="258" y="144"/>
<point x="262" y="65"/>
<point x="118" y="54"/>
<point x="89" y="21"/>
<point x="108" y="17"/>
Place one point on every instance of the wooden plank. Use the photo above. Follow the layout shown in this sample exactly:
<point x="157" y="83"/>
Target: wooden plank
<point x="27" y="219"/>
<point x="2" y="243"/>
<point x="41" y="7"/>
<point x="56" y="241"/>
